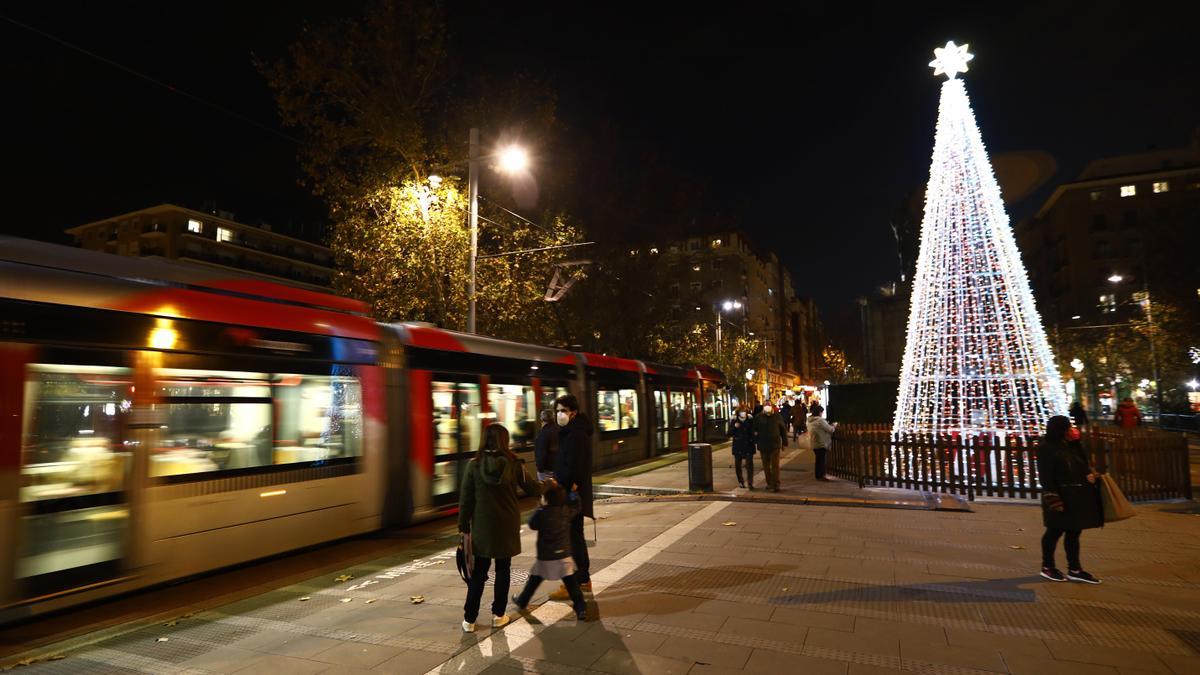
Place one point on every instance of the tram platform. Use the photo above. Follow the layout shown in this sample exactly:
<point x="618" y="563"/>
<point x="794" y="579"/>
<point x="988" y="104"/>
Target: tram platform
<point x="699" y="587"/>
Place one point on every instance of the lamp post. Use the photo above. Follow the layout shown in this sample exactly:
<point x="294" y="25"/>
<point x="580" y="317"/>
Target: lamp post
<point x="1116" y="279"/>
<point x="728" y="305"/>
<point x="512" y="160"/>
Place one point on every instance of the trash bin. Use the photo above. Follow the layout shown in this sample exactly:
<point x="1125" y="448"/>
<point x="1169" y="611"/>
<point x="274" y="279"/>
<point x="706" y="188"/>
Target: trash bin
<point x="700" y="467"/>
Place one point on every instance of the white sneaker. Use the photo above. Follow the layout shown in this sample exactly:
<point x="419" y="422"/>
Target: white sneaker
<point x="468" y="627"/>
<point x="500" y="621"/>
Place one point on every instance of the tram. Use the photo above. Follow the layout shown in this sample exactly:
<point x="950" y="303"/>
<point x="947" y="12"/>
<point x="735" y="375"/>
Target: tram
<point x="161" y="420"/>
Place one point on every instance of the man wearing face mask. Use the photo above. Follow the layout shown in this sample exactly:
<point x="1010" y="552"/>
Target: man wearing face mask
<point x="743" y="446"/>
<point x="770" y="435"/>
<point x="573" y="470"/>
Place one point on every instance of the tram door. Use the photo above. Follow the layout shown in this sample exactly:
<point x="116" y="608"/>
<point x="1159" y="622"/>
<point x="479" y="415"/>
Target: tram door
<point x="76" y="460"/>
<point x="457" y="433"/>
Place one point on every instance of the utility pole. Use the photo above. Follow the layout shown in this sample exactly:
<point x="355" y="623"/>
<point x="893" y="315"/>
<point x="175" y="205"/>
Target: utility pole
<point x="473" y="195"/>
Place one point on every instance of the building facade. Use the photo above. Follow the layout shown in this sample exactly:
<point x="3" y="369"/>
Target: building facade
<point x="1126" y="224"/>
<point x="703" y="272"/>
<point x="214" y="240"/>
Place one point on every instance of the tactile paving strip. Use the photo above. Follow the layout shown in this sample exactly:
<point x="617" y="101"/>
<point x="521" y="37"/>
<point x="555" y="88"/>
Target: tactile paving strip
<point x="938" y="604"/>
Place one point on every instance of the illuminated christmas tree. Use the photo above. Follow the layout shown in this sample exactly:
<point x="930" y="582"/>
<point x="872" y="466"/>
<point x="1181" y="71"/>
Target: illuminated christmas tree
<point x="976" y="359"/>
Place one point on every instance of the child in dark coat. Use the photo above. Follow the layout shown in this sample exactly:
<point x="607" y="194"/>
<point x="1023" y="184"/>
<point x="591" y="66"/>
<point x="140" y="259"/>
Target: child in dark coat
<point x="553" y="524"/>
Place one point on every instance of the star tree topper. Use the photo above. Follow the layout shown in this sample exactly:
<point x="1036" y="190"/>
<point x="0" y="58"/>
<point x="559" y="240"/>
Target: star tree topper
<point x="950" y="60"/>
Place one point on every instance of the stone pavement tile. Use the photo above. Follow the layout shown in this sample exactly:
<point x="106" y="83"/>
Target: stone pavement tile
<point x="1181" y="665"/>
<point x="766" y="630"/>
<point x="704" y="651"/>
<point x="411" y="661"/>
<point x="966" y="657"/>
<point x="382" y="625"/>
<point x="270" y="665"/>
<point x="813" y="619"/>
<point x="742" y="609"/>
<point x="503" y="669"/>
<point x="545" y="646"/>
<point x="621" y="662"/>
<point x="357" y="654"/>
<point x="914" y="632"/>
<point x="301" y="646"/>
<point x="347" y="670"/>
<point x="629" y="604"/>
<point x="767" y="661"/>
<point x="853" y="642"/>
<point x="223" y="660"/>
<point x="707" y="622"/>
<point x="1020" y="664"/>
<point x="864" y="669"/>
<point x="1007" y="644"/>
<point x="1106" y="656"/>
<point x="622" y="638"/>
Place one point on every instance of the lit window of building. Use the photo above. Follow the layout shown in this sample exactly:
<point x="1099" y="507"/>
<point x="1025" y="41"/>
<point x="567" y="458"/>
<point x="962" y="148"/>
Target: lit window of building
<point x="224" y="234"/>
<point x="716" y="243"/>
<point x="695" y="267"/>
<point x="1097" y="195"/>
<point x="1128" y="190"/>
<point x="1161" y="186"/>
<point x="632" y="252"/>
<point x="1108" y="303"/>
<point x="195" y="226"/>
<point x="654" y="251"/>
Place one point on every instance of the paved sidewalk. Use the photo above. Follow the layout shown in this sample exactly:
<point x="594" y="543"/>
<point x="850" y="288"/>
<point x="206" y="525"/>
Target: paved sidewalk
<point x="798" y="483"/>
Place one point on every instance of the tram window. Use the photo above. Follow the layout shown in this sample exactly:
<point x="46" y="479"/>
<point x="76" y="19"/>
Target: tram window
<point x="223" y="420"/>
<point x="714" y="408"/>
<point x="660" y="408"/>
<point x="513" y="406"/>
<point x="617" y="409"/>
<point x="456" y="430"/>
<point x="550" y="395"/>
<point x="74" y="440"/>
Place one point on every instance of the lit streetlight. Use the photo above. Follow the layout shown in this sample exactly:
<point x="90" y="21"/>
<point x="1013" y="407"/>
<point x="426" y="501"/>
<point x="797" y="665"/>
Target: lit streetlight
<point x="512" y="159"/>
<point x="728" y="306"/>
<point x="1116" y="279"/>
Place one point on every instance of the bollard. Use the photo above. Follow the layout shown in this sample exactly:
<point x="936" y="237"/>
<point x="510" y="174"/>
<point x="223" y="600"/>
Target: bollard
<point x="700" y="470"/>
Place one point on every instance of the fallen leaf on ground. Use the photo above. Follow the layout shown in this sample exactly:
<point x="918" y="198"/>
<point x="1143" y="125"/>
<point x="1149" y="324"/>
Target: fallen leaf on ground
<point x="58" y="657"/>
<point x="785" y="588"/>
<point x="347" y="599"/>
<point x="343" y="577"/>
<point x="1016" y="547"/>
<point x="370" y="601"/>
<point x="162" y="639"/>
<point x="416" y="599"/>
<point x="440" y="562"/>
<point x="305" y="599"/>
<point x="188" y="615"/>
<point x="170" y="623"/>
<point x="729" y="524"/>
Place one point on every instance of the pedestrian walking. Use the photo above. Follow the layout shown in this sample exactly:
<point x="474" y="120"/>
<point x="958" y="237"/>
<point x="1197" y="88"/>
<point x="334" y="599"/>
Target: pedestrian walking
<point x="1128" y="416"/>
<point x="1070" y="498"/>
<point x="742" y="433"/>
<point x="785" y="411"/>
<point x="770" y="437"/>
<point x="545" y="446"/>
<point x="820" y="435"/>
<point x="1078" y="415"/>
<point x="573" y="471"/>
<point x="552" y="522"/>
<point x="488" y="512"/>
<point x="799" y="420"/>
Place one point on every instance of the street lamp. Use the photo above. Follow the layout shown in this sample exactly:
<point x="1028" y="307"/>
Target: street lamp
<point x="513" y="159"/>
<point x="728" y="306"/>
<point x="1116" y="279"/>
<point x="1194" y="384"/>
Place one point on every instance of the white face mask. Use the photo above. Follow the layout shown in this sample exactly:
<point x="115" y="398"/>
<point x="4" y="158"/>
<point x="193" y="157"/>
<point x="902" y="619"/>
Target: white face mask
<point x="742" y="415"/>
<point x="768" y="409"/>
<point x="563" y="419"/>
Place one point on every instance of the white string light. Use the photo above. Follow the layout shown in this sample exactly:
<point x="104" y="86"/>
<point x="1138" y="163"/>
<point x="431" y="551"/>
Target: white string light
<point x="976" y="358"/>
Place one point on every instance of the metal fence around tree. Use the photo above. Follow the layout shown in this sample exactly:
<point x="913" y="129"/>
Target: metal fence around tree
<point x="1147" y="464"/>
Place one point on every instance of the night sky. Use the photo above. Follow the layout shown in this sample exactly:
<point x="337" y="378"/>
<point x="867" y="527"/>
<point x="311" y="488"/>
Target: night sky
<point x="809" y="125"/>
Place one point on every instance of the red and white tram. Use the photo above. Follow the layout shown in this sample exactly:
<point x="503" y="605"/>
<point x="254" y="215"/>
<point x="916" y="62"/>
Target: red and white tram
<point x="160" y="420"/>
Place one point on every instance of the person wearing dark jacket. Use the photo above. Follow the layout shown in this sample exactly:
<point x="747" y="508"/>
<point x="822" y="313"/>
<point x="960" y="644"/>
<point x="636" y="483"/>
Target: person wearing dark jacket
<point x="1070" y="498"/>
<point x="770" y="437"/>
<point x="489" y="513"/>
<point x="799" y="420"/>
<point x="740" y="430"/>
<point x="552" y="522"/>
<point x="545" y="446"/>
<point x="573" y="471"/>
<point x="1078" y="415"/>
<point x="785" y="412"/>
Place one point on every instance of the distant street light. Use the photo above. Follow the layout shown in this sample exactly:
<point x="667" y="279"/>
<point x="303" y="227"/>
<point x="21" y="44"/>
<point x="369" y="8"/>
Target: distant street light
<point x="1116" y="278"/>
<point x="1194" y="384"/>
<point x="728" y="306"/>
<point x="513" y="159"/>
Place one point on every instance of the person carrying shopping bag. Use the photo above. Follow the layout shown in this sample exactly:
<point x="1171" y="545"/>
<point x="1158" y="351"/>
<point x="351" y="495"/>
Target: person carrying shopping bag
<point x="1070" y="498"/>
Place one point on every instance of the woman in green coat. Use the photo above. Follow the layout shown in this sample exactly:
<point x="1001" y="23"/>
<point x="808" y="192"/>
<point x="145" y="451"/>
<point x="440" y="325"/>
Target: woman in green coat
<point x="488" y="511"/>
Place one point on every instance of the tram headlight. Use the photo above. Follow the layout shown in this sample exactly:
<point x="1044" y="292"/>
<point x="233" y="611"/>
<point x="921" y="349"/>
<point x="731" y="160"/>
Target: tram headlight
<point x="163" y="336"/>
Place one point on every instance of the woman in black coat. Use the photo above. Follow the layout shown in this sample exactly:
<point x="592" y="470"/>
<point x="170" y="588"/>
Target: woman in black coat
<point x="1070" y="498"/>
<point x="742" y="432"/>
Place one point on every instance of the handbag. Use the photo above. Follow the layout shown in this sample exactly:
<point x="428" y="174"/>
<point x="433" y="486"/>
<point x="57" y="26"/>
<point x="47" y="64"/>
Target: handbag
<point x="1116" y="506"/>
<point x="464" y="557"/>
